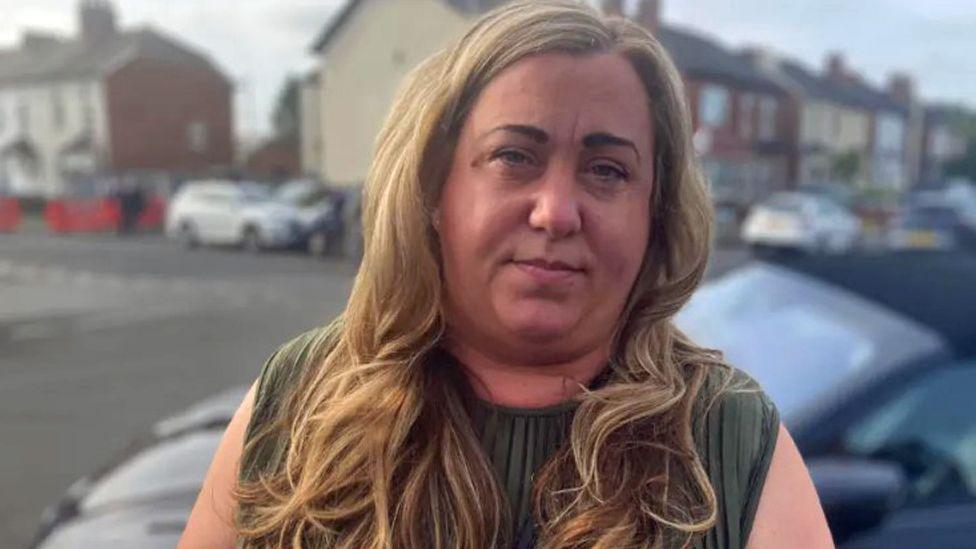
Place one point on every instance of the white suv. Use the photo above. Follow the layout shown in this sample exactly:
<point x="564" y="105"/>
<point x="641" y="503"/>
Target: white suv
<point x="228" y="213"/>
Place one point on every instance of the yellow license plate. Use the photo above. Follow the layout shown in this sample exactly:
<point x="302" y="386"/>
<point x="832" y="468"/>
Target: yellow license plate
<point x="922" y="239"/>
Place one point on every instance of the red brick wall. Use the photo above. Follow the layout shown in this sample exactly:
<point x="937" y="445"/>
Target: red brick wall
<point x="726" y="141"/>
<point x="277" y="160"/>
<point x="151" y="104"/>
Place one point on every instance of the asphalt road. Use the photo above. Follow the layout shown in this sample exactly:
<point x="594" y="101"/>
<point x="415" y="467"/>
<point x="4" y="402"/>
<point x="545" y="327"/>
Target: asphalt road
<point x="100" y="337"/>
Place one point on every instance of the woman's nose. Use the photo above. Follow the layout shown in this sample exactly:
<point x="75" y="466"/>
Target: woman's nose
<point x="556" y="209"/>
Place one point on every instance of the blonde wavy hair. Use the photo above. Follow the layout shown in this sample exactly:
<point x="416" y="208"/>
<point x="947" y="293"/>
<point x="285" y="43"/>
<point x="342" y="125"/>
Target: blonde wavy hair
<point x="379" y="449"/>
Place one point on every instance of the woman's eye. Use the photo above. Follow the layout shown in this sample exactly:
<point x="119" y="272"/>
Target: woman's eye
<point x="609" y="172"/>
<point x="512" y="157"/>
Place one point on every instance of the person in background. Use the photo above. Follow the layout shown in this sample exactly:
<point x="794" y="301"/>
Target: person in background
<point x="506" y="372"/>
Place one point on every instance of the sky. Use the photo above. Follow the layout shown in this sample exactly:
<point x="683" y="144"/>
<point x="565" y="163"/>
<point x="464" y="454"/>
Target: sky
<point x="259" y="42"/>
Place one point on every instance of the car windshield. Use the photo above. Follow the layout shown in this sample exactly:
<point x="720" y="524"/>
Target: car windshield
<point x="294" y="192"/>
<point x="251" y="192"/>
<point x="798" y="337"/>
<point x="789" y="203"/>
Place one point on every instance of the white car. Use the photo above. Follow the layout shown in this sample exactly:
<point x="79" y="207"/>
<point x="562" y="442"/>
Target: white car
<point x="801" y="221"/>
<point x="228" y="213"/>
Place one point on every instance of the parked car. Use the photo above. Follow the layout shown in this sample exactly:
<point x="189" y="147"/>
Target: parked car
<point x="929" y="228"/>
<point x="229" y="213"/>
<point x="801" y="221"/>
<point x="142" y="499"/>
<point x="320" y="213"/>
<point x="871" y="361"/>
<point x="936" y="218"/>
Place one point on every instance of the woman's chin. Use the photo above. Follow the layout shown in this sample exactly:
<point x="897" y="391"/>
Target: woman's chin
<point x="540" y="324"/>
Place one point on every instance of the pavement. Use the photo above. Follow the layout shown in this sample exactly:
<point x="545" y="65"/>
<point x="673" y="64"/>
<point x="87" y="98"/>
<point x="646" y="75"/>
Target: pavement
<point x="102" y="336"/>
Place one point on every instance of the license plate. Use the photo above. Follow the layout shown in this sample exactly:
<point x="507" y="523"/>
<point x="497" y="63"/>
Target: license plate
<point x="921" y="239"/>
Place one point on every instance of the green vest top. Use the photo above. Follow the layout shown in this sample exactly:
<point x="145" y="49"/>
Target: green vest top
<point x="735" y="443"/>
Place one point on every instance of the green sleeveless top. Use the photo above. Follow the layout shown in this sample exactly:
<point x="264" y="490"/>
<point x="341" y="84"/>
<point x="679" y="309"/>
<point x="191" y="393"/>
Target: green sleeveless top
<point x="735" y="441"/>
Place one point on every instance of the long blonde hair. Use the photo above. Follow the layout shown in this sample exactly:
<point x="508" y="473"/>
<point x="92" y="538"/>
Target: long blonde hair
<point x="380" y="451"/>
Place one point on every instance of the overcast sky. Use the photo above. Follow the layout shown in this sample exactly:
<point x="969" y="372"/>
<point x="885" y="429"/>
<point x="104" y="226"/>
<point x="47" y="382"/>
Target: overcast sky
<point x="258" y="42"/>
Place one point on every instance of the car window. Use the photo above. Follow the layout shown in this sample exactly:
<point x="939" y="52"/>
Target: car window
<point x="929" y="428"/>
<point x="785" y="203"/>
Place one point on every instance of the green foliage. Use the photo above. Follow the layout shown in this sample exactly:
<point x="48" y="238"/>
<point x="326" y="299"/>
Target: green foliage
<point x="964" y="122"/>
<point x="287" y="116"/>
<point x="846" y="166"/>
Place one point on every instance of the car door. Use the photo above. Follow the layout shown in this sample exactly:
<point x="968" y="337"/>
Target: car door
<point x="224" y="214"/>
<point x="927" y="426"/>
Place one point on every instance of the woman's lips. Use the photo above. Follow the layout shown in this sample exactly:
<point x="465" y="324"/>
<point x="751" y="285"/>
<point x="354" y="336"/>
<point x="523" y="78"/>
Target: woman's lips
<point x="548" y="272"/>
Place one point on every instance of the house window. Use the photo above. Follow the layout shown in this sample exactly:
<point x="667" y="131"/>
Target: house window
<point x="714" y="106"/>
<point x="197" y="137"/>
<point x="767" y="118"/>
<point x="87" y="109"/>
<point x="57" y="108"/>
<point x="23" y="116"/>
<point x="747" y="105"/>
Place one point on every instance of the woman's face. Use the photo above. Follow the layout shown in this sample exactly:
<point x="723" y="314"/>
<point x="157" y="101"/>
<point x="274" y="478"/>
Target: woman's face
<point x="544" y="215"/>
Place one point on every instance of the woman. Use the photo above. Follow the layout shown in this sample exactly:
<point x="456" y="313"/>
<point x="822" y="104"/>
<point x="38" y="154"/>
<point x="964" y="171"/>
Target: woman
<point x="506" y="372"/>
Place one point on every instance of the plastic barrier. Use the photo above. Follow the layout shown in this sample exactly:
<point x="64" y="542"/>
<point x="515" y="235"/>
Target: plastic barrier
<point x="153" y="214"/>
<point x="10" y="214"/>
<point x="82" y="216"/>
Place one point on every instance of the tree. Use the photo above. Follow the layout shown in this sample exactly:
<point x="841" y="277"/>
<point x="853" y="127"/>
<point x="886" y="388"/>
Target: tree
<point x="846" y="166"/>
<point x="964" y="123"/>
<point x="287" y="116"/>
<point x="964" y="166"/>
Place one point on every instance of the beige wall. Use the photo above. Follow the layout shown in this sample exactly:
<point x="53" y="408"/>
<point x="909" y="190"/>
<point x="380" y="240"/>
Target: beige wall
<point x="361" y="69"/>
<point x="836" y="128"/>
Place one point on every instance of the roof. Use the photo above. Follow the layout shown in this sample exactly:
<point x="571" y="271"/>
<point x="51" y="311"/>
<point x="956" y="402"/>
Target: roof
<point x="853" y="93"/>
<point x="339" y="20"/>
<point x="78" y="58"/>
<point x="697" y="55"/>
<point x="932" y="289"/>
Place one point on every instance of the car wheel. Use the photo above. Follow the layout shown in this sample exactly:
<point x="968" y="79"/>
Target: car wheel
<point x="251" y="240"/>
<point x="187" y="235"/>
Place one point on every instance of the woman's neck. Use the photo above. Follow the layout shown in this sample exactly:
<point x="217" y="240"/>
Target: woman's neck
<point x="528" y="385"/>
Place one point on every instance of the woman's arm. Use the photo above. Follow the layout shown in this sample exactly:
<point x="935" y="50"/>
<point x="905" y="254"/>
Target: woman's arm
<point x="789" y="513"/>
<point x="211" y="523"/>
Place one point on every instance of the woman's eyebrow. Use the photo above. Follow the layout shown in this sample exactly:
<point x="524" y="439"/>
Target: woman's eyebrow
<point x="601" y="139"/>
<point x="536" y="134"/>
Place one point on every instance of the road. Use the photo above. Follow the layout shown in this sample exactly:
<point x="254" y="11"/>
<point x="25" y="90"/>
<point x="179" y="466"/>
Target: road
<point x="100" y="337"/>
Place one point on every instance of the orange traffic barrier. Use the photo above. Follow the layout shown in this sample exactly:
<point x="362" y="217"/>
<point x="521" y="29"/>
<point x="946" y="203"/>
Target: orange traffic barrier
<point x="153" y="214"/>
<point x="10" y="214"/>
<point x="82" y="215"/>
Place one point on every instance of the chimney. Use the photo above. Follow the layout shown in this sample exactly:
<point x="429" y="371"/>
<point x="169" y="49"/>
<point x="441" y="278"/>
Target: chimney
<point x="836" y="69"/>
<point x="649" y="14"/>
<point x="760" y="57"/>
<point x="97" y="20"/>
<point x="901" y="87"/>
<point x="614" y="7"/>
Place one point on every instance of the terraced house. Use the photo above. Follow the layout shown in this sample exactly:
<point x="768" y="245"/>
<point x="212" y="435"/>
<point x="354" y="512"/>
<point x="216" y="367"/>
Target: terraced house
<point x="366" y="50"/>
<point x="108" y="101"/>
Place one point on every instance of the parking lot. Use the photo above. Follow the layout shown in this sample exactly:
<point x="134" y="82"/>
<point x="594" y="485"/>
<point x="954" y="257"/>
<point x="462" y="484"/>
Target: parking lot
<point x="101" y="336"/>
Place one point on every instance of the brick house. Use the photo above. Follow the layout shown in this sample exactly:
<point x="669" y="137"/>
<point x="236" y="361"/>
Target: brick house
<point x="108" y="101"/>
<point x="740" y="115"/>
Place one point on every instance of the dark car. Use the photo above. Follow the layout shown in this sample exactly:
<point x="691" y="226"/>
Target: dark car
<point x="320" y="211"/>
<point x="872" y="363"/>
<point x="931" y="227"/>
<point x="870" y="359"/>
